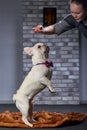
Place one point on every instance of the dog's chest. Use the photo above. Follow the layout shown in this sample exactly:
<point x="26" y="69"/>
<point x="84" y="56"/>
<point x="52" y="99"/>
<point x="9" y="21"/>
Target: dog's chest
<point x="38" y="71"/>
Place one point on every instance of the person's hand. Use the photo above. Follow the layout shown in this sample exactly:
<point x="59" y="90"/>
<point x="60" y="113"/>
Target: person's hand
<point x="38" y="29"/>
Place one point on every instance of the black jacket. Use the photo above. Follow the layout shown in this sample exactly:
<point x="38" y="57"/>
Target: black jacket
<point x="69" y="23"/>
<point x="80" y="25"/>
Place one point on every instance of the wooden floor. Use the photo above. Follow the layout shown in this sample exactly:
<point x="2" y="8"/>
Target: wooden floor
<point x="54" y="108"/>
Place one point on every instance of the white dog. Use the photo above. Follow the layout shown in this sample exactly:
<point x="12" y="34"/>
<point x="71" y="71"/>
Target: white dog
<point x="36" y="80"/>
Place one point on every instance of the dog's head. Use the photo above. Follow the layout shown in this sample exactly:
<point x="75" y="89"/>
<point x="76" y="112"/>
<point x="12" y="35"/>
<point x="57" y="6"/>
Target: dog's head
<point x="39" y="52"/>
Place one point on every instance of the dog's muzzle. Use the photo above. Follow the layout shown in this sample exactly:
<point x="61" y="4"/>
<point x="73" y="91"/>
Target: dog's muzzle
<point x="47" y="52"/>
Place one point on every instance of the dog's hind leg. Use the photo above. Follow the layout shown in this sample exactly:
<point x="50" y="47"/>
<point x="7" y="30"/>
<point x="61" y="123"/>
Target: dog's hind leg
<point x="26" y="121"/>
<point x="23" y="106"/>
<point x="44" y="80"/>
<point x="30" y="111"/>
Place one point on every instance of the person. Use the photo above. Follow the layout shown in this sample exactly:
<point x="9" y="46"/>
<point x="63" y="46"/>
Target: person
<point x="76" y="19"/>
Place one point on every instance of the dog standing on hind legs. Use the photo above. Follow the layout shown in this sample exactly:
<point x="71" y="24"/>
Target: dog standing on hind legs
<point x="37" y="79"/>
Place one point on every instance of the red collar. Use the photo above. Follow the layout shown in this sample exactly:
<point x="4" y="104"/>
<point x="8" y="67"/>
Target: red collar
<point x="47" y="63"/>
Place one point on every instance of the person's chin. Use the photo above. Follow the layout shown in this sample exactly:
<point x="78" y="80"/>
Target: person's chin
<point x="78" y="20"/>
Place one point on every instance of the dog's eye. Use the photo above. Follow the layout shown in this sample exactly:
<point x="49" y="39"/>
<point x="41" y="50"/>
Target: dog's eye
<point x="39" y="46"/>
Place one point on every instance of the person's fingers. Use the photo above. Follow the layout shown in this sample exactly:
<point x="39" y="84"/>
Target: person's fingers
<point x="38" y="28"/>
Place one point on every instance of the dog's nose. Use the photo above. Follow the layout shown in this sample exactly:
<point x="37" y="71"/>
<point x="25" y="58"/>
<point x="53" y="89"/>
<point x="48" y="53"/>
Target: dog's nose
<point x="47" y="49"/>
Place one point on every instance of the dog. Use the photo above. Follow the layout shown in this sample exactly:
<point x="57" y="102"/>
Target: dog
<point x="37" y="79"/>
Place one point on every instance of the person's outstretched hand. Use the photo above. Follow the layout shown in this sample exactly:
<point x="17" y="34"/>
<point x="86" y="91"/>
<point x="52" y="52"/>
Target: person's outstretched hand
<point x="38" y="29"/>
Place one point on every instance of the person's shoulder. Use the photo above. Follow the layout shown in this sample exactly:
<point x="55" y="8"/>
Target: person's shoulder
<point x="70" y="20"/>
<point x="69" y="16"/>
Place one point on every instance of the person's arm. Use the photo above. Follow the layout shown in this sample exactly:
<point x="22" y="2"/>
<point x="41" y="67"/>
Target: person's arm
<point x="44" y="30"/>
<point x="57" y="28"/>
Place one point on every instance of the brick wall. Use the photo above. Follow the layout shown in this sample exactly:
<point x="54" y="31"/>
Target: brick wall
<point x="64" y="52"/>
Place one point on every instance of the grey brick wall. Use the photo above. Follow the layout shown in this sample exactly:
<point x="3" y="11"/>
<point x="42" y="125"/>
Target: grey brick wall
<point x="64" y="52"/>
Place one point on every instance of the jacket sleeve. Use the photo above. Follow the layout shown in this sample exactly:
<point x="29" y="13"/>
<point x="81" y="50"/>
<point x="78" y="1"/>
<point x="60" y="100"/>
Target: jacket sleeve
<point x="63" y="26"/>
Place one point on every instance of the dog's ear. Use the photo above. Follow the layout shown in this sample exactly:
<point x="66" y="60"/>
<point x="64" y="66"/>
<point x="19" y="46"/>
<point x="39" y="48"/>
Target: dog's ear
<point x="28" y="50"/>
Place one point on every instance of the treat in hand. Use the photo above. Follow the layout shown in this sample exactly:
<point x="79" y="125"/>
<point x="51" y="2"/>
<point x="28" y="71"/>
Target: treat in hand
<point x="38" y="28"/>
